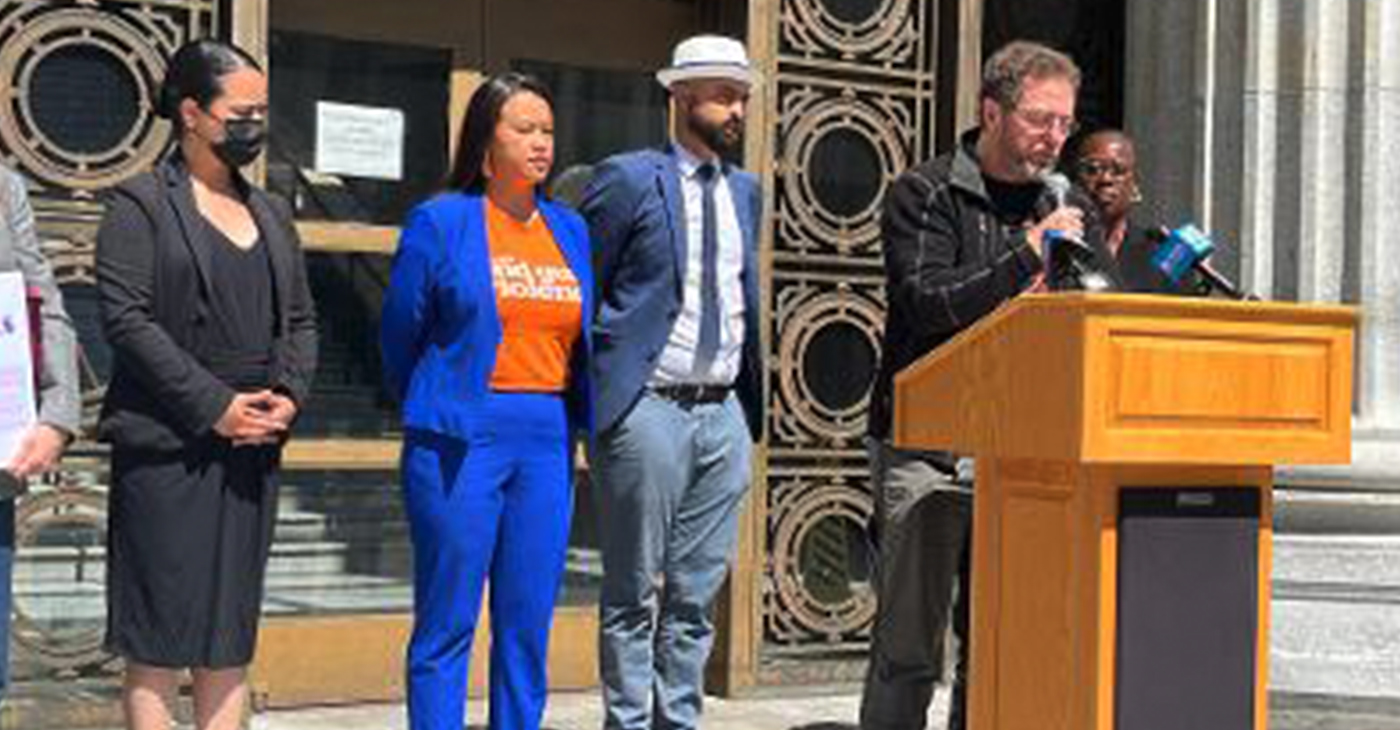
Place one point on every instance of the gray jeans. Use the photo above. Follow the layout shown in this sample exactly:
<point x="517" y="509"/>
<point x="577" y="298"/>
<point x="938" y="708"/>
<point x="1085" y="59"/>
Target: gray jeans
<point x="923" y="516"/>
<point x="670" y="479"/>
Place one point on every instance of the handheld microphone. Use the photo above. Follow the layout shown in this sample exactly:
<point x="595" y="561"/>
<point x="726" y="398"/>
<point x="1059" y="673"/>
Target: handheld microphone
<point x="1186" y="249"/>
<point x="1069" y="261"/>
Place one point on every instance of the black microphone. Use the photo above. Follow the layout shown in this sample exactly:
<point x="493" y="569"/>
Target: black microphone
<point x="1187" y="249"/>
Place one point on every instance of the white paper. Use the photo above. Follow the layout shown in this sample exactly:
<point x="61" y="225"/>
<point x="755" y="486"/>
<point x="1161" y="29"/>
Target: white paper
<point x="361" y="141"/>
<point x="17" y="406"/>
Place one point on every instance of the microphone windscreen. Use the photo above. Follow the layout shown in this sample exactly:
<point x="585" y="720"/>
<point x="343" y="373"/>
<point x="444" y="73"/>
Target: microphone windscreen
<point x="1058" y="185"/>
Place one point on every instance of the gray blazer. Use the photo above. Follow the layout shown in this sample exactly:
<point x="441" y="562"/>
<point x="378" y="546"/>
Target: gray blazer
<point x="60" y="403"/>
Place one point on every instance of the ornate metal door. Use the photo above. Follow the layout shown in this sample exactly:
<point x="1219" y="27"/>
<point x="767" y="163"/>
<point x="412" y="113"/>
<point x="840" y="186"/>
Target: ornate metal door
<point x="851" y="107"/>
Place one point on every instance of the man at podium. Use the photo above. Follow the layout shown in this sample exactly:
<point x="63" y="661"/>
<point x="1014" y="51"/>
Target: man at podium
<point x="962" y="234"/>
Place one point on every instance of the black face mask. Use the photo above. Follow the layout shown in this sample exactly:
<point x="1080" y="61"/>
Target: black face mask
<point x="242" y="143"/>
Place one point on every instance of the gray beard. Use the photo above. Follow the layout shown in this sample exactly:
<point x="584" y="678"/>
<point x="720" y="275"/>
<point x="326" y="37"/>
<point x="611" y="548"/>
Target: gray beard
<point x="1034" y="171"/>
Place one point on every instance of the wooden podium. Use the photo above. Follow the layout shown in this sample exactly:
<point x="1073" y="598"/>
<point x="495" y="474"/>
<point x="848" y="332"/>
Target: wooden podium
<point x="1121" y="539"/>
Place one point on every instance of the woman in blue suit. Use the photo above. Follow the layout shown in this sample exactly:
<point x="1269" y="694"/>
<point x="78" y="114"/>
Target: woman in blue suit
<point x="484" y="343"/>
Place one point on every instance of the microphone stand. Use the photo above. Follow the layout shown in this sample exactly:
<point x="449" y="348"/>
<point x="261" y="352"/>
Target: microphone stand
<point x="1218" y="282"/>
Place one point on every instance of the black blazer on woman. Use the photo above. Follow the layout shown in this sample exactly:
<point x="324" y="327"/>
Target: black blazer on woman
<point x="153" y="280"/>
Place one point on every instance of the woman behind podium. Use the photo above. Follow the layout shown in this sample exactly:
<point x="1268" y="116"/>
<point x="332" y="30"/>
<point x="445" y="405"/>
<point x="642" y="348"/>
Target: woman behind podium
<point x="206" y="307"/>
<point x="1105" y="166"/>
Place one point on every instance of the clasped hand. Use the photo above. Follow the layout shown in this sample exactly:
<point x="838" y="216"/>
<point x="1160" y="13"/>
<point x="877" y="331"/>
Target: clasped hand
<point x="254" y="419"/>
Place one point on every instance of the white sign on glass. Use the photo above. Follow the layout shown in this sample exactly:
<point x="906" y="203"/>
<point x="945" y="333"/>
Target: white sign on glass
<point x="359" y="141"/>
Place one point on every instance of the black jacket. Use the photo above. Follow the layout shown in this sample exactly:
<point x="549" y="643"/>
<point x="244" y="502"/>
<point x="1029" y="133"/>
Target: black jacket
<point x="949" y="261"/>
<point x="153" y="278"/>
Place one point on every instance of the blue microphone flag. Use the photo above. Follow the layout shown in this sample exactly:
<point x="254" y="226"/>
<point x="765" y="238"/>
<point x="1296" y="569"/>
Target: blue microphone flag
<point x="1184" y="247"/>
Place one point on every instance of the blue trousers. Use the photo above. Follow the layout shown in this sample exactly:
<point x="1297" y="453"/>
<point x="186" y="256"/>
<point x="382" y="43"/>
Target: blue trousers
<point x="495" y="508"/>
<point x="670" y="481"/>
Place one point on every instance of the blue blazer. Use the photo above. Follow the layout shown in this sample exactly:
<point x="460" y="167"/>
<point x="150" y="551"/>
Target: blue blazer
<point x="440" y="329"/>
<point x="634" y="207"/>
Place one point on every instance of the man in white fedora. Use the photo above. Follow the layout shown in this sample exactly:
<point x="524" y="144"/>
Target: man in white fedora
<point x="679" y="384"/>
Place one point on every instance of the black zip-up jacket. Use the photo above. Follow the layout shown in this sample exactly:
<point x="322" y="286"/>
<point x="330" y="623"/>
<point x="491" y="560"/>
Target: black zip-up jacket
<point x="949" y="261"/>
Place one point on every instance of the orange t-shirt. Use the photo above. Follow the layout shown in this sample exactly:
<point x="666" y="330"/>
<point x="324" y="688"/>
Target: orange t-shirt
<point x="539" y="303"/>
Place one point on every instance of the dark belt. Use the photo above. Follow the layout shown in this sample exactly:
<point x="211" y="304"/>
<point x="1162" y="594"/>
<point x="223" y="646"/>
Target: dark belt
<point x="689" y="393"/>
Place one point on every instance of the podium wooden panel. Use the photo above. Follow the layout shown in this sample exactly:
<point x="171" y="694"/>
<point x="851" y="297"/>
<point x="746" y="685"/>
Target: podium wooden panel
<point x="1067" y="400"/>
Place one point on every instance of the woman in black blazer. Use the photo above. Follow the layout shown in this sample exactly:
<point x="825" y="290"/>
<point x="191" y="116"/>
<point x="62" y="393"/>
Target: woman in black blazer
<point x="206" y="307"/>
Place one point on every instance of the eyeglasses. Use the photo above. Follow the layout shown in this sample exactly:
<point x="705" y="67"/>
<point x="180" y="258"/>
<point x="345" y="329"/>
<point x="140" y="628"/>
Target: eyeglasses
<point x="1042" y="120"/>
<point x="1103" y="168"/>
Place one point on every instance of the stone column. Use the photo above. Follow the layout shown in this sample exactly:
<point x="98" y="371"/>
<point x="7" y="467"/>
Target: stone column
<point x="1378" y="381"/>
<point x="1318" y="42"/>
<point x="1259" y="149"/>
<point x="1166" y="104"/>
<point x="1185" y="103"/>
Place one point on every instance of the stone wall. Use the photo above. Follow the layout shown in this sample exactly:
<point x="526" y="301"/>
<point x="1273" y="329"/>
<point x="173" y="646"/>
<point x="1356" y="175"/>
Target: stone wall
<point x="1276" y="125"/>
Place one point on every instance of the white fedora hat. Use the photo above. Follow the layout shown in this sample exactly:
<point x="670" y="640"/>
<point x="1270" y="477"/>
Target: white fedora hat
<point x="708" y="57"/>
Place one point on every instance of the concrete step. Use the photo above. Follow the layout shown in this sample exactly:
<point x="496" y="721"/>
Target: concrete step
<point x="339" y="597"/>
<point x="1336" y="592"/>
<point x="358" y="394"/>
<point x="317" y="577"/>
<point x="294" y="525"/>
<point x="1336" y="511"/>
<point x="64" y="565"/>
<point x="1344" y="560"/>
<point x="311" y="558"/>
<point x="348" y="503"/>
<point x="354" y="532"/>
<point x="1335" y="647"/>
<point x="344" y="428"/>
<point x="70" y="605"/>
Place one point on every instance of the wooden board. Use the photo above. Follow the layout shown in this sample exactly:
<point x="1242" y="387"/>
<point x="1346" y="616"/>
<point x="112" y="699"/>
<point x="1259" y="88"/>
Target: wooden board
<point x="338" y="237"/>
<point x="347" y="454"/>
